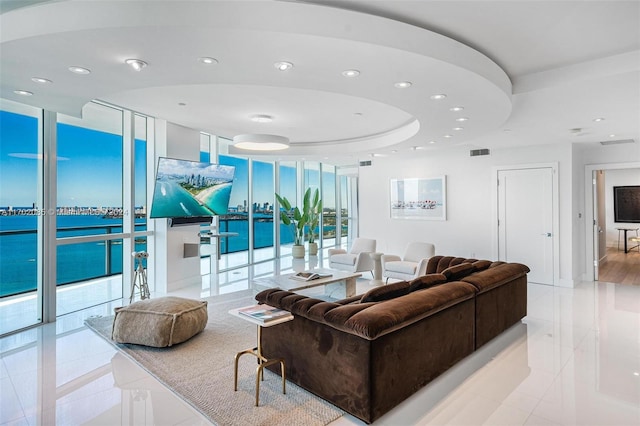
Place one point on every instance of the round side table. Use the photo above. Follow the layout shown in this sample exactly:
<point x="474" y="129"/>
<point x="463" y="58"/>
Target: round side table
<point x="377" y="268"/>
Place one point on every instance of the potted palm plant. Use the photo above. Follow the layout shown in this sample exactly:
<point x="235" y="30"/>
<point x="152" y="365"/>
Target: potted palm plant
<point x="297" y="219"/>
<point x="314" y="208"/>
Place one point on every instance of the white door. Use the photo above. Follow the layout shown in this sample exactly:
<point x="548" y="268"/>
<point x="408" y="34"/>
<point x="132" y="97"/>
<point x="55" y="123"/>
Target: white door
<point x="525" y="220"/>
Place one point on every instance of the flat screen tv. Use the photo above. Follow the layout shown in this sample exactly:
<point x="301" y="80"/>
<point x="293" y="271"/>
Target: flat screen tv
<point x="626" y="204"/>
<point x="190" y="191"/>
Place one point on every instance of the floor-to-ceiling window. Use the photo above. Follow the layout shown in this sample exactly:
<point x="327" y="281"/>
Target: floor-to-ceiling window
<point x="21" y="212"/>
<point x="89" y="204"/>
<point x="289" y="190"/>
<point x="262" y="196"/>
<point x="328" y="205"/>
<point x="237" y="218"/>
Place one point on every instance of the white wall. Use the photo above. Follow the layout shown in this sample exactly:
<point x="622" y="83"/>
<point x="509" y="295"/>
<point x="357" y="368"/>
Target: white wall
<point x="173" y="270"/>
<point x="469" y="229"/>
<point x="620" y="177"/>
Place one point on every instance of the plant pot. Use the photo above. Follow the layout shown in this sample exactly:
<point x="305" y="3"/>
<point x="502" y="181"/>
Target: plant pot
<point x="297" y="252"/>
<point x="313" y="249"/>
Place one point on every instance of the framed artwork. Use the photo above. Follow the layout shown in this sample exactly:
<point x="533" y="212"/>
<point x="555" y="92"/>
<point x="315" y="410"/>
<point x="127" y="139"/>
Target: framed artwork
<point x="419" y="198"/>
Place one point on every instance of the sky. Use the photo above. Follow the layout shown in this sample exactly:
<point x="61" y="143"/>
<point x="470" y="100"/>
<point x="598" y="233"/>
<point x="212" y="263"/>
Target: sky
<point x="90" y="169"/>
<point x="89" y="165"/>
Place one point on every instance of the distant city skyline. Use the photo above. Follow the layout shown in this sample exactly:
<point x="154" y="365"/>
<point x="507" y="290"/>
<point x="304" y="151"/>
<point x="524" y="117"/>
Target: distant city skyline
<point x="90" y="169"/>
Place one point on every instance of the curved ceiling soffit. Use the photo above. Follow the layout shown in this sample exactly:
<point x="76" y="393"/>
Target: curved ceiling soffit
<point x="300" y="20"/>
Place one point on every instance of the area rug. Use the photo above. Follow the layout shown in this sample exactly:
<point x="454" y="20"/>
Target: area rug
<point x="200" y="371"/>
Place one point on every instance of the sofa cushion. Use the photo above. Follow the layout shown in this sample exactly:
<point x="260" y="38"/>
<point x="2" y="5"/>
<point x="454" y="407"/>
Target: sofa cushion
<point x="426" y="281"/>
<point x="454" y="273"/>
<point x="402" y="267"/>
<point x="160" y="322"/>
<point x="481" y="265"/>
<point x="344" y="259"/>
<point x="386" y="292"/>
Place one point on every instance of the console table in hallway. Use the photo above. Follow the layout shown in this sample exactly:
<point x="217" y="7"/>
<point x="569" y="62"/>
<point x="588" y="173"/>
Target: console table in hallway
<point x="625" y="230"/>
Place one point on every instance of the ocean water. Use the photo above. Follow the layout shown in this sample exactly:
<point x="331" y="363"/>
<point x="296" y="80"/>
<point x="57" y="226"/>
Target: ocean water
<point x="79" y="262"/>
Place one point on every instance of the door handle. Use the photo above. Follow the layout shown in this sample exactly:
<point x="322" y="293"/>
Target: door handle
<point x="546" y="234"/>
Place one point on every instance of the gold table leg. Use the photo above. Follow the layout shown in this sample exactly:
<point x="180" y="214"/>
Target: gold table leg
<point x="262" y="363"/>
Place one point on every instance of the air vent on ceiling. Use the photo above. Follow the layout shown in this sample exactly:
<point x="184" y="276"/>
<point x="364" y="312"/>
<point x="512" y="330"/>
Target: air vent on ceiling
<point x="617" y="142"/>
<point x="476" y="152"/>
<point x="365" y="163"/>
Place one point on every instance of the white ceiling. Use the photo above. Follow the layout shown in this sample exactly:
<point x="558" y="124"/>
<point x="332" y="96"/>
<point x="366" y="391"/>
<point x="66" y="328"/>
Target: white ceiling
<point x="526" y="71"/>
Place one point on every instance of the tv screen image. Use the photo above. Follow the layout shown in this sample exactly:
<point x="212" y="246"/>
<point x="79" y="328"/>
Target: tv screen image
<point x="190" y="189"/>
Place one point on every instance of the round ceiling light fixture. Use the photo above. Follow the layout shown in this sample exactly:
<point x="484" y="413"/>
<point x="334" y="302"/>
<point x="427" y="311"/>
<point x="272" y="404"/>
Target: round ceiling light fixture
<point x="40" y="80"/>
<point x="136" y="64"/>
<point x="456" y="108"/>
<point x="23" y="92"/>
<point x="599" y="119"/>
<point x="461" y="119"/>
<point x="261" y="142"/>
<point x="283" y="66"/>
<point x="438" y="97"/>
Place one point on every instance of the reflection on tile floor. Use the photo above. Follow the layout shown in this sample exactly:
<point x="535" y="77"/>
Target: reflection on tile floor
<point x="575" y="359"/>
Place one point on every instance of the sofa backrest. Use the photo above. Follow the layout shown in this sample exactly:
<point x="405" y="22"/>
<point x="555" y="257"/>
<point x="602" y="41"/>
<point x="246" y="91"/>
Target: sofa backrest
<point x="371" y="320"/>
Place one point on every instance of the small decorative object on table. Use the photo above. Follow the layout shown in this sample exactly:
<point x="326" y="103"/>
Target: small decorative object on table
<point x="309" y="275"/>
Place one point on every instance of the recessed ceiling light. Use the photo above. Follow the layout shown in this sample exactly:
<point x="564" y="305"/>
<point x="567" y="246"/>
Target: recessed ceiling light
<point x="79" y="70"/>
<point x="599" y="119"/>
<point x="261" y="118"/>
<point x="208" y="60"/>
<point x="283" y="66"/>
<point x="461" y="119"/>
<point x="432" y="142"/>
<point x="403" y="84"/>
<point x="350" y="73"/>
<point x="395" y="151"/>
<point x="23" y="92"/>
<point x="136" y="64"/>
<point x="40" y="80"/>
<point x="438" y="97"/>
<point x="448" y="136"/>
<point x="457" y="129"/>
<point x="456" y="108"/>
<point x="612" y="136"/>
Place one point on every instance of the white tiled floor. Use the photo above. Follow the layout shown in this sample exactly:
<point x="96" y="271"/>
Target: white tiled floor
<point x="575" y="359"/>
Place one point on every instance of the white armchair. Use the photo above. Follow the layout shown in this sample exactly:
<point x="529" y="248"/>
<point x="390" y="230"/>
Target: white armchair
<point x="412" y="265"/>
<point x="357" y="259"/>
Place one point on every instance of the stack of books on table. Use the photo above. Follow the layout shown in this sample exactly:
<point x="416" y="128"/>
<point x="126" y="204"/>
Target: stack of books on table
<point x="264" y="313"/>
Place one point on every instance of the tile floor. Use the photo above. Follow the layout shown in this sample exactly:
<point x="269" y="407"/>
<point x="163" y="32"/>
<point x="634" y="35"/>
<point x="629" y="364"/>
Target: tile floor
<point x="574" y="360"/>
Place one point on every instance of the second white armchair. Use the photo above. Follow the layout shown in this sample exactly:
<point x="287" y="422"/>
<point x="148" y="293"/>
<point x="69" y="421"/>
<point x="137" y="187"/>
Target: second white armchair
<point x="412" y="265"/>
<point x="355" y="260"/>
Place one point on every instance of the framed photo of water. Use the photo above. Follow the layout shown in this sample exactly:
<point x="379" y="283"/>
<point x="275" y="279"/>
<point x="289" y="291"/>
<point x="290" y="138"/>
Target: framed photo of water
<point x="419" y="198"/>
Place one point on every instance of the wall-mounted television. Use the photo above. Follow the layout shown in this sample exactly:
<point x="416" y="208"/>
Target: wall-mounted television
<point x="190" y="191"/>
<point x="626" y="204"/>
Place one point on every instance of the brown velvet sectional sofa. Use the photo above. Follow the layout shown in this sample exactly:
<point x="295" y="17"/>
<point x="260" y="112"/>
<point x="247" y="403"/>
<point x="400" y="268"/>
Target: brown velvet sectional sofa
<point x="368" y="353"/>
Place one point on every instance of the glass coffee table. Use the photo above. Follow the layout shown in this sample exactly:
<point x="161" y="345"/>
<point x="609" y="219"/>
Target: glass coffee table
<point x="339" y="285"/>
